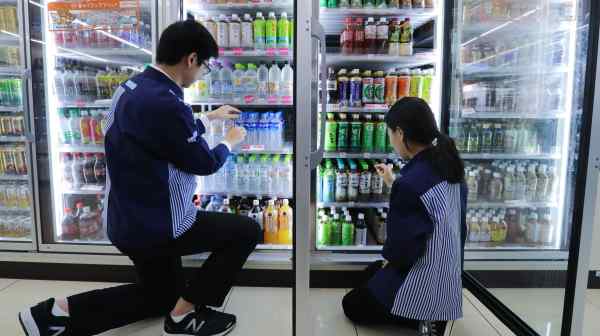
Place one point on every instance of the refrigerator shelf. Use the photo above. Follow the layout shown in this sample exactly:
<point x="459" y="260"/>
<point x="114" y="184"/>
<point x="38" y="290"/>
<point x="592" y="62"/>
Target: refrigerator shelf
<point x="9" y="40"/>
<point x="15" y="239"/>
<point x="19" y="210"/>
<point x="245" y="194"/>
<point x="11" y="109"/>
<point x="374" y="205"/>
<point x="507" y="28"/>
<point x="350" y="248"/>
<point x="82" y="148"/>
<point x="83" y="242"/>
<point x="471" y="71"/>
<point x="14" y="177"/>
<point x="408" y="12"/>
<point x="277" y="54"/>
<point x="12" y="71"/>
<point x="510" y="115"/>
<point x="91" y="191"/>
<point x="505" y="156"/>
<point x="256" y="104"/>
<point x="420" y="58"/>
<point x="277" y="247"/>
<point x="262" y="151"/>
<point x="102" y="103"/>
<point x="199" y="7"/>
<point x="512" y="204"/>
<point x="13" y="139"/>
<point x="507" y="246"/>
<point x="374" y="108"/>
<point x="344" y="155"/>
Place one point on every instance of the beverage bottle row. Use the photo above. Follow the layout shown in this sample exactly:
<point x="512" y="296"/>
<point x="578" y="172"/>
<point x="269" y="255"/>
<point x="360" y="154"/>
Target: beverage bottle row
<point x="79" y="126"/>
<point x="83" y="170"/>
<point x="84" y="221"/>
<point x="346" y="228"/>
<point x="500" y="10"/>
<point x="12" y="125"/>
<point x="128" y="32"/>
<point x="407" y="4"/>
<point x="512" y="225"/>
<point x="275" y="217"/>
<point x="246" y="83"/>
<point x="257" y="174"/>
<point x="366" y="133"/>
<point x="351" y="181"/>
<point x="13" y="160"/>
<point x="15" y="226"/>
<point x="11" y="92"/>
<point x="521" y="136"/>
<point x="244" y="2"/>
<point x="264" y="130"/>
<point x="537" y="95"/>
<point x="394" y="38"/>
<point x="248" y="33"/>
<point x="15" y="195"/>
<point x="78" y="82"/>
<point x="358" y="89"/>
<point x="511" y="181"/>
<point x="8" y="19"/>
<point x="9" y="56"/>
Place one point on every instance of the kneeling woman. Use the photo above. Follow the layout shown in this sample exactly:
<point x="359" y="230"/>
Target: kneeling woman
<point x="420" y="279"/>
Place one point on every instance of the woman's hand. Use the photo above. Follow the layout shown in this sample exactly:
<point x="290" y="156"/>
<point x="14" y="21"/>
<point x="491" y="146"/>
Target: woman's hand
<point x="385" y="171"/>
<point x="223" y="113"/>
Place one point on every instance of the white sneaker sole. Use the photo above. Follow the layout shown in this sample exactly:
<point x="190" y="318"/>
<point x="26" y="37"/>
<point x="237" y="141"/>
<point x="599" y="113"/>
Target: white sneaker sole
<point x="28" y="323"/>
<point x="219" y="334"/>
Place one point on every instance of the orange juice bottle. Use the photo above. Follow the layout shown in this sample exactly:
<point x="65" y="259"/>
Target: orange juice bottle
<point x="270" y="223"/>
<point x="286" y="223"/>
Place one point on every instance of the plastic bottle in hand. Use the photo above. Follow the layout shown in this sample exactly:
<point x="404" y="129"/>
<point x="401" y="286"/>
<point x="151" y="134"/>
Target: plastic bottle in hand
<point x="263" y="82"/>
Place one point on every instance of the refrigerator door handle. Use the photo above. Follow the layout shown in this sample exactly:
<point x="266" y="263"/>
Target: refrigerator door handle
<point x="318" y="32"/>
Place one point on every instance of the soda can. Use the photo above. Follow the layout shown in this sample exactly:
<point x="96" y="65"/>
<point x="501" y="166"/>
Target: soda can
<point x="11" y="19"/>
<point x="6" y="126"/>
<point x="7" y="160"/>
<point x="18" y="126"/>
<point x="2" y="162"/>
<point x="20" y="160"/>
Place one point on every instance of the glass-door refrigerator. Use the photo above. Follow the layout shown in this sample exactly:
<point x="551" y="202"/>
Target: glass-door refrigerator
<point x="90" y="47"/>
<point x="254" y="73"/>
<point x="377" y="52"/>
<point x="17" y="216"/>
<point x="520" y="114"/>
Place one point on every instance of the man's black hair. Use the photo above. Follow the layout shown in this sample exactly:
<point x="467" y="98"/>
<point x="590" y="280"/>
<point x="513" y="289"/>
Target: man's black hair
<point x="183" y="38"/>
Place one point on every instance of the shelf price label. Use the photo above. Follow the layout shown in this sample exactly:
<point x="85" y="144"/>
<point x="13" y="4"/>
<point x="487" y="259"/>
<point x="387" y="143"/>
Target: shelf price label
<point x="271" y="52"/>
<point x="238" y="51"/>
<point x="284" y="51"/>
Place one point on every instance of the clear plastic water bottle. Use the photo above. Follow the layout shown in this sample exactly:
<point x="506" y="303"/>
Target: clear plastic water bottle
<point x="263" y="79"/>
<point x="263" y="130"/>
<point x="219" y="179"/>
<point x="215" y="82"/>
<point x="275" y="173"/>
<point x="231" y="174"/>
<point x="250" y="125"/>
<point x="274" y="80"/>
<point x="250" y="81"/>
<point x="276" y="130"/>
<point x="254" y="170"/>
<point x="286" y="86"/>
<point x="226" y="77"/>
<point x="288" y="176"/>
<point x="265" y="178"/>
<point x="238" y="81"/>
<point x="242" y="174"/>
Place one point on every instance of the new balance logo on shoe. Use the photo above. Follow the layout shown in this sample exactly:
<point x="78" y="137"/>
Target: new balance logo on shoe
<point x="58" y="330"/>
<point x="192" y="326"/>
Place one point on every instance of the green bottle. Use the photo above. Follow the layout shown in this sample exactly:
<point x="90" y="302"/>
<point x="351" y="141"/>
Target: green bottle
<point x="390" y="147"/>
<point x="323" y="3"/>
<point x="342" y="131"/>
<point x="259" y="31"/>
<point x="283" y="31"/>
<point x="355" y="133"/>
<point x="271" y="31"/>
<point x="368" y="131"/>
<point x="332" y="3"/>
<point x="380" y="134"/>
<point x="330" y="133"/>
<point x="336" y="230"/>
<point x="348" y="231"/>
<point x="324" y="234"/>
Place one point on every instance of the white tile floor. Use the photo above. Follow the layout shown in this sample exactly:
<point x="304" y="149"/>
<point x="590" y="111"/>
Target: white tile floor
<point x="254" y="306"/>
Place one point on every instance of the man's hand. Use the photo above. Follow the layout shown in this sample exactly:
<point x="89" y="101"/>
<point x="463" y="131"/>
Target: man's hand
<point x="235" y="135"/>
<point x="385" y="171"/>
<point x="223" y="113"/>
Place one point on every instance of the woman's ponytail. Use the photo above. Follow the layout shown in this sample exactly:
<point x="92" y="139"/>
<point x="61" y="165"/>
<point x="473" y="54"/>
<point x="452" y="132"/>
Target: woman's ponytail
<point x="414" y="117"/>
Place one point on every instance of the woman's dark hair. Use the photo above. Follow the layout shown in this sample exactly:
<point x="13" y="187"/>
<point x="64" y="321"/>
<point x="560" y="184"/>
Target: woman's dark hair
<point x="183" y="38"/>
<point x="414" y="117"/>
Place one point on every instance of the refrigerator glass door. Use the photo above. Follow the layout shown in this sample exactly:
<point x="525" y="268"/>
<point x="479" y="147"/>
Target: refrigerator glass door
<point x="90" y="48"/>
<point x="16" y="198"/>
<point x="516" y="109"/>
<point x="254" y="73"/>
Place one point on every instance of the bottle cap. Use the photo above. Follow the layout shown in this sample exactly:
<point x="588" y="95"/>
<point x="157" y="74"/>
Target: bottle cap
<point x="361" y="216"/>
<point x="255" y="202"/>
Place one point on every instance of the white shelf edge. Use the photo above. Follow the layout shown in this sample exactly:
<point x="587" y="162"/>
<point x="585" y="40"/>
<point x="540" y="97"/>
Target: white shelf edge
<point x="353" y="204"/>
<point x="505" y="156"/>
<point x="239" y="194"/>
<point x="345" y="155"/>
<point x="510" y="204"/>
<point x="274" y="247"/>
<point x="350" y="248"/>
<point x="380" y="11"/>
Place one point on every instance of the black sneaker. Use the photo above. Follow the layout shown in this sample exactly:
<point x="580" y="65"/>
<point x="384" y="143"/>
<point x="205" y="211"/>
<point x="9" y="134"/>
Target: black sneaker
<point x="39" y="321"/>
<point x="202" y="322"/>
<point x="430" y="328"/>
